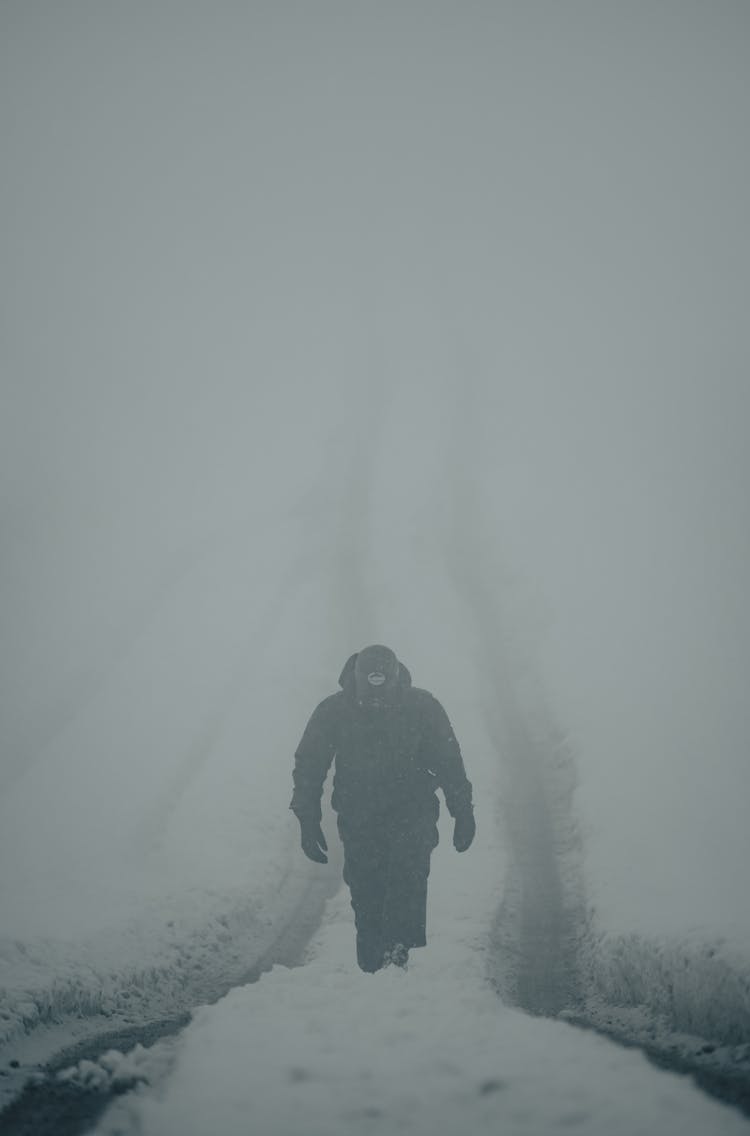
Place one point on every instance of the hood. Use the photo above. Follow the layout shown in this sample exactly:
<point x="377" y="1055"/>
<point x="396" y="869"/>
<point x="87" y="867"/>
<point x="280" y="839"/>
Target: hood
<point x="346" y="678"/>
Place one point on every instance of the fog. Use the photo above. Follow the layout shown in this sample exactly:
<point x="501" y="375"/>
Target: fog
<point x="298" y="302"/>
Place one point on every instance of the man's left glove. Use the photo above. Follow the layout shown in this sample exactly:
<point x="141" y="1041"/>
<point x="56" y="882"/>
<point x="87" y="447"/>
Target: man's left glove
<point x="464" y="830"/>
<point x="313" y="841"/>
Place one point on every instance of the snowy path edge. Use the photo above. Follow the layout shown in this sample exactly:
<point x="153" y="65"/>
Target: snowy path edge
<point x="59" y="1021"/>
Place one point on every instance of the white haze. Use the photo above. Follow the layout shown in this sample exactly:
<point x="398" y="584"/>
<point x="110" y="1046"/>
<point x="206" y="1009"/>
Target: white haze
<point x="283" y="284"/>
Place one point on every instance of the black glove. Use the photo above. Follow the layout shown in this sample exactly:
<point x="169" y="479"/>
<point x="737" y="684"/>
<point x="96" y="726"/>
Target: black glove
<point x="463" y="831"/>
<point x="313" y="841"/>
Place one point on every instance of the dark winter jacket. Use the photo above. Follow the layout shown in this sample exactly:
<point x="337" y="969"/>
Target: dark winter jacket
<point x="388" y="760"/>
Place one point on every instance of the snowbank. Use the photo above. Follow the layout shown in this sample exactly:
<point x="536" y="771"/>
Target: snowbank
<point x="189" y="948"/>
<point x="698" y="988"/>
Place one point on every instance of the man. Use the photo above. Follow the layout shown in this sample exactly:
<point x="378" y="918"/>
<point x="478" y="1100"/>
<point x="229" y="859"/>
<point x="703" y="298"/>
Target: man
<point x="393" y="747"/>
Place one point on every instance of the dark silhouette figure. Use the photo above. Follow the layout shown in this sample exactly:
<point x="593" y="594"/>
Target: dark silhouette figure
<point x="393" y="747"/>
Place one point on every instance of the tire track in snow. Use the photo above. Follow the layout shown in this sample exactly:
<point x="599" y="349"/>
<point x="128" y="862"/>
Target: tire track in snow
<point x="535" y="963"/>
<point x="542" y="933"/>
<point x="342" y="552"/>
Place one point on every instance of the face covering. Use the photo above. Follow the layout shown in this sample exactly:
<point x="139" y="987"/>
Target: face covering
<point x="375" y="675"/>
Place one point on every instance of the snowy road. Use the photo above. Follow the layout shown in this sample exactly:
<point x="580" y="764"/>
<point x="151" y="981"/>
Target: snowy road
<point x="324" y="1050"/>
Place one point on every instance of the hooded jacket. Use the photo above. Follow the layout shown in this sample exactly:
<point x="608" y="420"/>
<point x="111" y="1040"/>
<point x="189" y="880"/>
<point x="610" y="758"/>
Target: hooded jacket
<point x="389" y="760"/>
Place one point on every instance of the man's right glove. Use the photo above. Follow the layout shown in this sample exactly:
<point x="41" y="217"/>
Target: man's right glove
<point x="313" y="841"/>
<point x="464" y="830"/>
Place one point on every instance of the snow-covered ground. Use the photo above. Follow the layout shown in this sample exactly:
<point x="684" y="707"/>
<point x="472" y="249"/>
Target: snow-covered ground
<point x="324" y="1049"/>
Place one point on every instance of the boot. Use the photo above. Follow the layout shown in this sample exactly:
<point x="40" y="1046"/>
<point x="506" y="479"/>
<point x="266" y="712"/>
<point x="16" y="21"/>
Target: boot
<point x="397" y="955"/>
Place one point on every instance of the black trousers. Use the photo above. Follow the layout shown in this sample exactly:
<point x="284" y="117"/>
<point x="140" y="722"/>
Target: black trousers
<point x="386" y="867"/>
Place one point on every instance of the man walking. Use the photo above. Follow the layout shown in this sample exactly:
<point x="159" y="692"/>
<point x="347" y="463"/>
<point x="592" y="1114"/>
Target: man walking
<point x="393" y="748"/>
